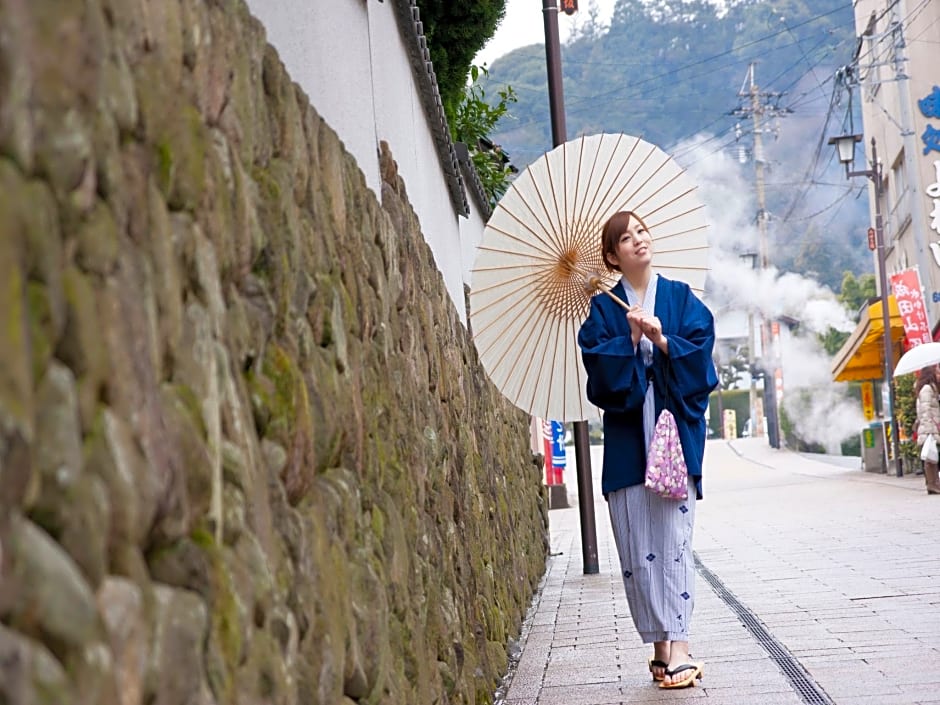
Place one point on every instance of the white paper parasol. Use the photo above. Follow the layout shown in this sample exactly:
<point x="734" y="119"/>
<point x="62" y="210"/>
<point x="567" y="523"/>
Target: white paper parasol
<point x="918" y="358"/>
<point x="528" y="296"/>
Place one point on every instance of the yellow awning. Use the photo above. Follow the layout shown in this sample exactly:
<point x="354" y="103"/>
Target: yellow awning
<point x="862" y="355"/>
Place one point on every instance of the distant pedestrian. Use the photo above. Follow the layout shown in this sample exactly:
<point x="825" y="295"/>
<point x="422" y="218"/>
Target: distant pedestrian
<point x="928" y="421"/>
<point x="660" y="350"/>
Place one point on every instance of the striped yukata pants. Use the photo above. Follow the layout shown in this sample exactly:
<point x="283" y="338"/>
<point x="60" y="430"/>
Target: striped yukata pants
<point x="654" y="541"/>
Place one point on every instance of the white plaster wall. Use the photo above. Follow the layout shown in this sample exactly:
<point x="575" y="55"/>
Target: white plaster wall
<point x="325" y="47"/>
<point x="402" y="122"/>
<point x="471" y="233"/>
<point x="350" y="59"/>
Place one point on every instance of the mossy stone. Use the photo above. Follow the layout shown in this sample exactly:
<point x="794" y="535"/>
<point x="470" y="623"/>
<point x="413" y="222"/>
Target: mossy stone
<point x="16" y="369"/>
<point x="50" y="596"/>
<point x="16" y="125"/>
<point x="251" y="334"/>
<point x="30" y="673"/>
<point x="97" y="241"/>
<point x="181" y="149"/>
<point x="41" y="333"/>
<point x="288" y="404"/>
<point x="79" y="346"/>
<point x="185" y="426"/>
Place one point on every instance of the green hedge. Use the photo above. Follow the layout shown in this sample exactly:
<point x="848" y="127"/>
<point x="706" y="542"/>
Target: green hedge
<point x="737" y="399"/>
<point x="455" y="32"/>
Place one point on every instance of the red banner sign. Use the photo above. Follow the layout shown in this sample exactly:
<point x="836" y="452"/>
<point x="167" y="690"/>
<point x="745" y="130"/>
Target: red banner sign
<point x="906" y="287"/>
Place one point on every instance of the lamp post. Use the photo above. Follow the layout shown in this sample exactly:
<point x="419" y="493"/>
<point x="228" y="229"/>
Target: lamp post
<point x="582" y="443"/>
<point x="845" y="146"/>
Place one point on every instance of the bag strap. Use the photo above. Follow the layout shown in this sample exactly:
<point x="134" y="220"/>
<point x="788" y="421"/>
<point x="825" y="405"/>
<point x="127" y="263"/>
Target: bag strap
<point x="667" y="391"/>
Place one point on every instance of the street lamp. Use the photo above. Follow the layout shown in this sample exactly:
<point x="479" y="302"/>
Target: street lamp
<point x="582" y="442"/>
<point x="845" y="146"/>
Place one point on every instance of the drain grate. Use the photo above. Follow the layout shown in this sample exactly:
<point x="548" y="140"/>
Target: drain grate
<point x="801" y="681"/>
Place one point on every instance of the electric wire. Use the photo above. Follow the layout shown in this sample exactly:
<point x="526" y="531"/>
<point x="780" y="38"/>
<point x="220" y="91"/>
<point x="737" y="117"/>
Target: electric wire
<point x="810" y="176"/>
<point x="810" y="173"/>
<point x="858" y="192"/>
<point x="847" y="191"/>
<point x="588" y="102"/>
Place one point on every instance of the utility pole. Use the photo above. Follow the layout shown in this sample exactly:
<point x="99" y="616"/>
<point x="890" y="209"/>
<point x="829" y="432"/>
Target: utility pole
<point x="582" y="443"/>
<point x="761" y="105"/>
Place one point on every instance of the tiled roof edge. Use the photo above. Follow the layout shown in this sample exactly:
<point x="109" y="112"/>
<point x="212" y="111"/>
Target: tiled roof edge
<point x="412" y="31"/>
<point x="472" y="181"/>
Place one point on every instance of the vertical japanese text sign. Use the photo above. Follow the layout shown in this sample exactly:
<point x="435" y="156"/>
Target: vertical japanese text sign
<point x="930" y="108"/>
<point x="906" y="287"/>
<point x="868" y="400"/>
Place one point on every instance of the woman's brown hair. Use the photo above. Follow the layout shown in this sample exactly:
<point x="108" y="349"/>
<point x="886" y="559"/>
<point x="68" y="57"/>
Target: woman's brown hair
<point x="926" y="376"/>
<point x="615" y="226"/>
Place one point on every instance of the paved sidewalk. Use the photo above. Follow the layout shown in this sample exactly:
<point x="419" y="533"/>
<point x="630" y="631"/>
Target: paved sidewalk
<point x="825" y="588"/>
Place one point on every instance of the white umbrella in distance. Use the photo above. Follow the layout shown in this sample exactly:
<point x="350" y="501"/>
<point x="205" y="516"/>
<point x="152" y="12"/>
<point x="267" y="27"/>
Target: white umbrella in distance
<point x="540" y="261"/>
<point x="918" y="358"/>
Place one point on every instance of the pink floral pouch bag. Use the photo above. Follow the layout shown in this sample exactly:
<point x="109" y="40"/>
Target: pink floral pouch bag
<point x="666" y="471"/>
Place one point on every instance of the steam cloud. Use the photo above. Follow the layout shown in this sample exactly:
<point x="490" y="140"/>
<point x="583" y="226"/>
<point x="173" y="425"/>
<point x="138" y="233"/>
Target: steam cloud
<point x="825" y="415"/>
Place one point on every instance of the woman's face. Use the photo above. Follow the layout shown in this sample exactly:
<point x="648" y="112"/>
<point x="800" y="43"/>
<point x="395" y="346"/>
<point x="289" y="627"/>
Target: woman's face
<point x="634" y="249"/>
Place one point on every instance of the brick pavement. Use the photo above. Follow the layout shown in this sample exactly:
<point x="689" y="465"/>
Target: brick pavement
<point x="841" y="567"/>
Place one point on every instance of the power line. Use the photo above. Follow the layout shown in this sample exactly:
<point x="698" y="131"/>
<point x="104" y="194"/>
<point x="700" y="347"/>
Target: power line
<point x="575" y="106"/>
<point x="809" y="175"/>
<point x="718" y="149"/>
<point x="873" y="21"/>
<point x="848" y="189"/>
<point x="707" y="58"/>
<point x="585" y="103"/>
<point x="582" y="102"/>
<point x="717" y="56"/>
<point x="803" y="55"/>
<point x="809" y="178"/>
<point x="858" y="192"/>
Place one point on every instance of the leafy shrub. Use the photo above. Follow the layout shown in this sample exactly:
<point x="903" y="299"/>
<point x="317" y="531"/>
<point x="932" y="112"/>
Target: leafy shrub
<point x="474" y="122"/>
<point x="455" y="32"/>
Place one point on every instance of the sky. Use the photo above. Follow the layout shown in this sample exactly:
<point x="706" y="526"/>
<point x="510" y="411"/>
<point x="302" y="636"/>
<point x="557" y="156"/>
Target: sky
<point x="523" y="25"/>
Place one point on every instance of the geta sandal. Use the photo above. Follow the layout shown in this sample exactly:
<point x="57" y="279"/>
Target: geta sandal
<point x="656" y="663"/>
<point x="694" y="670"/>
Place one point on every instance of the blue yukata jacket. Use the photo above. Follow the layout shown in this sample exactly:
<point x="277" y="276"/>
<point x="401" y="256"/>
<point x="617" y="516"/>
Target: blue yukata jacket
<point x="617" y="379"/>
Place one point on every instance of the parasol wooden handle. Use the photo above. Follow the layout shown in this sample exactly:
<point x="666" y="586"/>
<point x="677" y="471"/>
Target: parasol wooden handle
<point x="595" y="282"/>
<point x="623" y="304"/>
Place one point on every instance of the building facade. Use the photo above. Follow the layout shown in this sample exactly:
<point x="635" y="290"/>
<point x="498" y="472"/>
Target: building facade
<point x="898" y="73"/>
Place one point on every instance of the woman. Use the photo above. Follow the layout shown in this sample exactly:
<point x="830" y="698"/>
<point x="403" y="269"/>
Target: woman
<point x="658" y="354"/>
<point x="928" y="421"/>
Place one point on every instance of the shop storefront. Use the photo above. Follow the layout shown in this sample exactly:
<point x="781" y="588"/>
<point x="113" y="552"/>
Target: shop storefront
<point x="861" y="359"/>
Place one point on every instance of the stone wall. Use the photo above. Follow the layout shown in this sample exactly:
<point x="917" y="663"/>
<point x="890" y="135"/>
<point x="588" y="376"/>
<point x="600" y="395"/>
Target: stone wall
<point x="247" y="452"/>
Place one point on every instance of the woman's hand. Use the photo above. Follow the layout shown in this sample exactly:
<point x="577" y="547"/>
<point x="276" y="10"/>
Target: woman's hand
<point x="635" y="318"/>
<point x="652" y="328"/>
